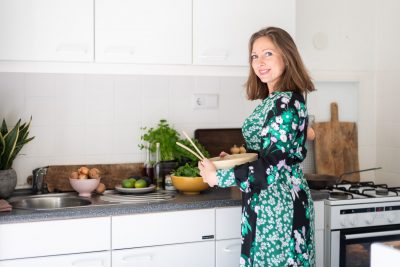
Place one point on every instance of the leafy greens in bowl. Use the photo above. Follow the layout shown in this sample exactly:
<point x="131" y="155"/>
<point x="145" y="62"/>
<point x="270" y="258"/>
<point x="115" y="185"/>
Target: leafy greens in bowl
<point x="187" y="170"/>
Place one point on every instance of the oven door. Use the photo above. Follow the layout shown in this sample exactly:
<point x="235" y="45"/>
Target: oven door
<point x="353" y="246"/>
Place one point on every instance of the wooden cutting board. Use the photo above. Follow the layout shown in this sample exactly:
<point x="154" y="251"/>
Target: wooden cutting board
<point x="336" y="147"/>
<point x="57" y="180"/>
<point x="219" y="139"/>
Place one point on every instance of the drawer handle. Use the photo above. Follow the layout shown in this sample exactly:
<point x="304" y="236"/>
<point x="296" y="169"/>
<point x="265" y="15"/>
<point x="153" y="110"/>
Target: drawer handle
<point x="232" y="248"/>
<point x="138" y="257"/>
<point x="88" y="262"/>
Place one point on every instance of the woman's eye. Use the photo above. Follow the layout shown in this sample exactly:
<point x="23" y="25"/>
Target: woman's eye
<point x="268" y="54"/>
<point x="253" y="57"/>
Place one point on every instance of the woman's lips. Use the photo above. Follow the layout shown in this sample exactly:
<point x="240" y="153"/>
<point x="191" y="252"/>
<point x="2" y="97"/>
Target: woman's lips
<point x="263" y="71"/>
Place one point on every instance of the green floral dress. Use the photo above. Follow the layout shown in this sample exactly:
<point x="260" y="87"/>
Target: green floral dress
<point x="277" y="209"/>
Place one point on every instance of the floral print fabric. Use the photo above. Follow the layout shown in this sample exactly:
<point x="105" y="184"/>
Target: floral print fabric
<point x="277" y="209"/>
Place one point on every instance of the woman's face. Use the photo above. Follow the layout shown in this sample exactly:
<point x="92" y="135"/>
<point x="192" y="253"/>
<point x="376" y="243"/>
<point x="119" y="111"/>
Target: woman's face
<point x="267" y="61"/>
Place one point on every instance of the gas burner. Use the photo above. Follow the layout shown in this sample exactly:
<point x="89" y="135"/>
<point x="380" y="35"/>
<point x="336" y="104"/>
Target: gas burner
<point x="340" y="195"/>
<point x="382" y="191"/>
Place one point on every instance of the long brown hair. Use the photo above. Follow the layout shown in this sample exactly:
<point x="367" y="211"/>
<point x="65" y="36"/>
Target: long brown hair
<point x="295" y="76"/>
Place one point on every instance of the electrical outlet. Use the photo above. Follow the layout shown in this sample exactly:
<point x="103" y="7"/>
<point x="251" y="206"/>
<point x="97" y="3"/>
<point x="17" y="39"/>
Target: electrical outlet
<point x="205" y="101"/>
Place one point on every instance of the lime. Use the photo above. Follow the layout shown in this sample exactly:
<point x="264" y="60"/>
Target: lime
<point x="133" y="179"/>
<point x="128" y="183"/>
<point x="141" y="183"/>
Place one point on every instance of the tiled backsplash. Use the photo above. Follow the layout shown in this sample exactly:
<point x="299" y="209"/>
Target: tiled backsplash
<point x="79" y="118"/>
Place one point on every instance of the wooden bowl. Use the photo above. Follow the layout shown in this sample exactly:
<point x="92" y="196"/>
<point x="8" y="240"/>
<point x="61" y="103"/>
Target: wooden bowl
<point x="230" y="161"/>
<point x="189" y="185"/>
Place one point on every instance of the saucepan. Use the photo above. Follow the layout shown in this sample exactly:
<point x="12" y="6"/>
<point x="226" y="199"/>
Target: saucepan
<point x="321" y="181"/>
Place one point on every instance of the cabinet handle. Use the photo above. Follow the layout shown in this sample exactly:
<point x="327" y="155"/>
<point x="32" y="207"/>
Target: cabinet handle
<point x="126" y="50"/>
<point x="138" y="257"/>
<point x="72" y="48"/>
<point x="232" y="247"/>
<point x="217" y="56"/>
<point x="88" y="262"/>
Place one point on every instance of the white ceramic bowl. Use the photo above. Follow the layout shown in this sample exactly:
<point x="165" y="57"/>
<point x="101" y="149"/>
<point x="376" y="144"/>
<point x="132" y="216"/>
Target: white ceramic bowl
<point x="230" y="161"/>
<point x="84" y="187"/>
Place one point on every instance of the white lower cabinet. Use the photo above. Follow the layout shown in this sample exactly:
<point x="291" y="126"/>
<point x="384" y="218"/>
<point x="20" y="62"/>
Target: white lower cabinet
<point x="94" y="259"/>
<point x="197" y="254"/>
<point x="50" y="238"/>
<point x="177" y="238"/>
<point x="228" y="244"/>
<point x="227" y="252"/>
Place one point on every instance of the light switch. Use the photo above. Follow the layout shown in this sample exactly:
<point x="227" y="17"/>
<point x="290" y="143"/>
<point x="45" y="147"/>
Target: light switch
<point x="205" y="101"/>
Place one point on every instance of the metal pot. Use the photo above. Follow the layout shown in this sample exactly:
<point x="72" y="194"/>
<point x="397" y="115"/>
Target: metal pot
<point x="321" y="181"/>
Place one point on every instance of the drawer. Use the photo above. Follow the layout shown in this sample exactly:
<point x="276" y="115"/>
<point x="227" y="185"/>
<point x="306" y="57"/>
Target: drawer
<point x="162" y="228"/>
<point x="33" y="239"/>
<point x="228" y="222"/>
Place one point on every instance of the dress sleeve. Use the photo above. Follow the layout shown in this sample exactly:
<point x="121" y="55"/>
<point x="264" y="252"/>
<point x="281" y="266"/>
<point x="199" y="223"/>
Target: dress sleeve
<point x="282" y="144"/>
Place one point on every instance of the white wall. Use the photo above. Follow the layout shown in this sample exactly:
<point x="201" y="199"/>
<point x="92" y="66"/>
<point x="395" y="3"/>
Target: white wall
<point x="337" y="43"/>
<point x="388" y="90"/>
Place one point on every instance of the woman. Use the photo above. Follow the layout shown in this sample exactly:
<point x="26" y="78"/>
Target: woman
<point x="277" y="209"/>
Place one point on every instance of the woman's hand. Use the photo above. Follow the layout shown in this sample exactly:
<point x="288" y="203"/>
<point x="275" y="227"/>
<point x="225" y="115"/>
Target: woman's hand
<point x="223" y="154"/>
<point x="208" y="172"/>
<point x="310" y="134"/>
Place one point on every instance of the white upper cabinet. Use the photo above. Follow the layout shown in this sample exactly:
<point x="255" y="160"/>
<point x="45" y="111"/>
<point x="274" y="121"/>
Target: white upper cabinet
<point x="222" y="28"/>
<point x="151" y="31"/>
<point x="46" y="30"/>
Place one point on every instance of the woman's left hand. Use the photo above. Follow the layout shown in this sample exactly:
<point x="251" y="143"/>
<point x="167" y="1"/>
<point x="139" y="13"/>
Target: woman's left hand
<point x="208" y="172"/>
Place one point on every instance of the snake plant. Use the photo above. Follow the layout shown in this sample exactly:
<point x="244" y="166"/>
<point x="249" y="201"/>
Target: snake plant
<point x="12" y="141"/>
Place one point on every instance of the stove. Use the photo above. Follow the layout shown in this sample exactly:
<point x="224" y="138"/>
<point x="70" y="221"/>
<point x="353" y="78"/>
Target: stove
<point x="361" y="192"/>
<point x="357" y="215"/>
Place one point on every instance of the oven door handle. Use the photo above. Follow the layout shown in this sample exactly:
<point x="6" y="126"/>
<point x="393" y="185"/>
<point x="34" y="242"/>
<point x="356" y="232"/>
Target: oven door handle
<point x="373" y="234"/>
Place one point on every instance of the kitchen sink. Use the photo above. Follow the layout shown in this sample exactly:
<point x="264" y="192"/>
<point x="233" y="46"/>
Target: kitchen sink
<point x="49" y="202"/>
<point x="72" y="200"/>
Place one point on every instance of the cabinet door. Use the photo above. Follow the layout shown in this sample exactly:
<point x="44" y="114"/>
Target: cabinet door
<point x="34" y="239"/>
<point x="46" y="30"/>
<point x="222" y="28"/>
<point x="197" y="254"/>
<point x="228" y="252"/>
<point x="94" y="259"/>
<point x="227" y="222"/>
<point x="152" y="31"/>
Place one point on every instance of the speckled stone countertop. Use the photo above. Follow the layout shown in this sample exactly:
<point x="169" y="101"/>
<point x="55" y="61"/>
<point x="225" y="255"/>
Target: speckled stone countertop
<point x="212" y="198"/>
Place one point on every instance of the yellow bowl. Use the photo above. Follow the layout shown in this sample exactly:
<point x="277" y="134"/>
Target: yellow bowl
<point x="189" y="185"/>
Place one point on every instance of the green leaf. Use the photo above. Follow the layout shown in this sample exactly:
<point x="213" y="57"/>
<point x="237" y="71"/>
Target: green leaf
<point x="3" y="128"/>
<point x="2" y="146"/>
<point x="10" y="141"/>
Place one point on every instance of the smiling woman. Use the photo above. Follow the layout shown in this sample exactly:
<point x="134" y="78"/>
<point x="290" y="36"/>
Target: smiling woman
<point x="277" y="209"/>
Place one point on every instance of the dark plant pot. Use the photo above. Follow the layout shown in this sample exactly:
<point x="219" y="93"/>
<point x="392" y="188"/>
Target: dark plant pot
<point x="8" y="182"/>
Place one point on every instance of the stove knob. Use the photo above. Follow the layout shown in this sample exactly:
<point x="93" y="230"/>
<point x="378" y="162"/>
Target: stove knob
<point x="369" y="219"/>
<point x="352" y="220"/>
<point x="390" y="217"/>
<point x="343" y="221"/>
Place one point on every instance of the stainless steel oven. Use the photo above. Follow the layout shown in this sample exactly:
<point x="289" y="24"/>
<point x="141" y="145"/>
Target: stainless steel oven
<point x="353" y="223"/>
<point x="353" y="246"/>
